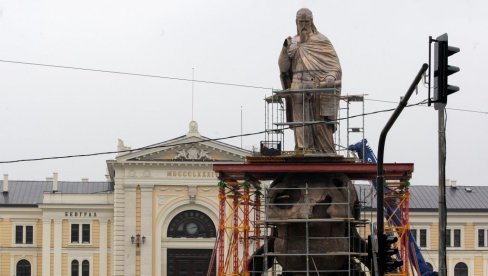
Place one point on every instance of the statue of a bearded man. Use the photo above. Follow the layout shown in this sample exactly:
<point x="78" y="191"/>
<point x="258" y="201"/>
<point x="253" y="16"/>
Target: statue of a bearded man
<point x="308" y="61"/>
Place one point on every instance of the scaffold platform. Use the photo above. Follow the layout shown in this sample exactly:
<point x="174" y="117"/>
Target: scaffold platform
<point x="241" y="208"/>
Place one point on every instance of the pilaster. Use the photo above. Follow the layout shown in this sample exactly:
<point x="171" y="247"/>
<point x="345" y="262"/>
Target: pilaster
<point x="147" y="230"/>
<point x="58" y="235"/>
<point x="130" y="230"/>
<point x="46" y="247"/>
<point x="119" y="236"/>
<point x="103" y="247"/>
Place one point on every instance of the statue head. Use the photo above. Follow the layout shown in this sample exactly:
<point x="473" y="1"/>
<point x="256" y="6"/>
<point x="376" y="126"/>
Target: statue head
<point x="305" y="25"/>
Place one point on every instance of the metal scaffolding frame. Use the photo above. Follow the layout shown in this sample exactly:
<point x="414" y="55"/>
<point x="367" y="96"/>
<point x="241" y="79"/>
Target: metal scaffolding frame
<point x="311" y="237"/>
<point x="396" y="199"/>
<point x="240" y="201"/>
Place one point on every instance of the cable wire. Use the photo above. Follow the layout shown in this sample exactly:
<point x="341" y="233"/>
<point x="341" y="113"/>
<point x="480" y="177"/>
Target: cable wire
<point x="184" y="143"/>
<point x="184" y="79"/>
<point x="134" y="74"/>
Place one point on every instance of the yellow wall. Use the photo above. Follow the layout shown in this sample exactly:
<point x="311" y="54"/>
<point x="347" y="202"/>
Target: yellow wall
<point x="5" y="227"/>
<point x="469" y="236"/>
<point x="64" y="264"/>
<point x="52" y="235"/>
<point x="478" y="266"/>
<point x="95" y="233"/>
<point x="434" y="236"/>
<point x="5" y="259"/>
<point x="65" y="237"/>
<point x="96" y="264"/>
<point x="109" y="264"/>
<point x="39" y="264"/>
<point x="109" y="235"/>
<point x="51" y="263"/>
<point x="38" y="234"/>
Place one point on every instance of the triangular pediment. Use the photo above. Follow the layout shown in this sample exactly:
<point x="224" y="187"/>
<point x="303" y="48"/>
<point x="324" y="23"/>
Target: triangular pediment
<point x="190" y="152"/>
<point x="188" y="149"/>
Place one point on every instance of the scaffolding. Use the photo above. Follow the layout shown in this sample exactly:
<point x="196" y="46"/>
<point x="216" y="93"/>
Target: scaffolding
<point x="278" y="109"/>
<point x="354" y="124"/>
<point x="239" y="208"/>
<point x="396" y="198"/>
<point x="276" y="122"/>
<point x="243" y="186"/>
<point x="305" y="237"/>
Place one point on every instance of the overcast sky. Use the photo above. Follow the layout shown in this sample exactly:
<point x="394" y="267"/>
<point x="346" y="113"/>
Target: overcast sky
<point x="381" y="45"/>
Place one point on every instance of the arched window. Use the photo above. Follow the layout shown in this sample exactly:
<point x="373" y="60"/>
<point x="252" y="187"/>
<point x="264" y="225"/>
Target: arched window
<point x="85" y="268"/>
<point x="461" y="269"/>
<point x="75" y="268"/>
<point x="23" y="268"/>
<point x="191" y="224"/>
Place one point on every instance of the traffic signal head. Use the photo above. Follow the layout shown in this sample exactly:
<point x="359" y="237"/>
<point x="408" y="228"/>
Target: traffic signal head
<point x="442" y="70"/>
<point x="391" y="261"/>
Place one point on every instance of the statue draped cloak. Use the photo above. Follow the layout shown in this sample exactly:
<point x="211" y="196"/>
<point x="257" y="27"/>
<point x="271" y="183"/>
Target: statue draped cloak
<point x="308" y="65"/>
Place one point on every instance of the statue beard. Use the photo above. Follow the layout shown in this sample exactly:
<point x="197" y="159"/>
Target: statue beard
<point x="304" y="35"/>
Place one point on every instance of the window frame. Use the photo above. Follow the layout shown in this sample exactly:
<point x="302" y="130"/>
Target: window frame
<point x="23" y="227"/>
<point x="80" y="233"/>
<point x="450" y="243"/>
<point x="80" y="259"/>
<point x="476" y="240"/>
<point x="418" y="230"/>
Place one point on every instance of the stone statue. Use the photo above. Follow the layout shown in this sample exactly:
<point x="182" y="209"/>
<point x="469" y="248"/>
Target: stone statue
<point x="307" y="61"/>
<point x="330" y="204"/>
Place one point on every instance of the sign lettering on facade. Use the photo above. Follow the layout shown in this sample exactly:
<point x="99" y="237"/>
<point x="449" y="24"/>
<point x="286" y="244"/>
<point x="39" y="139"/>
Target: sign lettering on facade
<point x="80" y="214"/>
<point x="207" y="174"/>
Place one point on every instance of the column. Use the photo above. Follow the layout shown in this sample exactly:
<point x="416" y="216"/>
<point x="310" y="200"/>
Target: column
<point x="130" y="230"/>
<point x="147" y="231"/>
<point x="58" y="235"/>
<point x="119" y="235"/>
<point x="46" y="247"/>
<point x="103" y="247"/>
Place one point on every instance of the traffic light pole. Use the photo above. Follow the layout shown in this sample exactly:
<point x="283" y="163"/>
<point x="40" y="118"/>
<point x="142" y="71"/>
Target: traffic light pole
<point x="442" y="191"/>
<point x="380" y="179"/>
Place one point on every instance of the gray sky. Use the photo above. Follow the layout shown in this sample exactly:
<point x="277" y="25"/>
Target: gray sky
<point x="381" y="44"/>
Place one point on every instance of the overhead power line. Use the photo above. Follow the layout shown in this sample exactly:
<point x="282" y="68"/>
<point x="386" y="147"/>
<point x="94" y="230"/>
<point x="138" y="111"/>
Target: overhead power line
<point x="448" y="108"/>
<point x="184" y="143"/>
<point x="133" y="74"/>
<point x="185" y="79"/>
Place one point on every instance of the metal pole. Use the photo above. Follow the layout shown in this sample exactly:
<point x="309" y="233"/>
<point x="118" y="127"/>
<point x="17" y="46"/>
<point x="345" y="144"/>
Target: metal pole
<point x="380" y="172"/>
<point x="442" y="192"/>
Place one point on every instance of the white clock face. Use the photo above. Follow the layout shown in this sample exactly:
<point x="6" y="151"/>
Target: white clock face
<point x="191" y="228"/>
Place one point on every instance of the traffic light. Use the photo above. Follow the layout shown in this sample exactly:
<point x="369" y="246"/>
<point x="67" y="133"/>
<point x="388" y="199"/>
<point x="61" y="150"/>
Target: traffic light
<point x="389" y="257"/>
<point x="442" y="70"/>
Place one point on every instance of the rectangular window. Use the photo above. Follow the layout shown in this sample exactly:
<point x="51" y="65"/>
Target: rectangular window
<point x="80" y="233"/>
<point x="19" y="234"/>
<point x="24" y="234"/>
<point x="423" y="238"/>
<point x="29" y="234"/>
<point x="481" y="237"/>
<point x="453" y="238"/>
<point x="75" y="233"/>
<point x="414" y="234"/>
<point x="420" y="236"/>
<point x="457" y="237"/>
<point x="86" y="233"/>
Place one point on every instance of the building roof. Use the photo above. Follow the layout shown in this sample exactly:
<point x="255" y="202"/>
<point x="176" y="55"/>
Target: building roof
<point x="424" y="198"/>
<point x="30" y="193"/>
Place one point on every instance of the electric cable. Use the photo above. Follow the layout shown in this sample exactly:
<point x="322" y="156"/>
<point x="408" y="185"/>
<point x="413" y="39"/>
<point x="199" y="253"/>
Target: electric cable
<point x="182" y="79"/>
<point x="185" y="143"/>
<point x="134" y="74"/>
